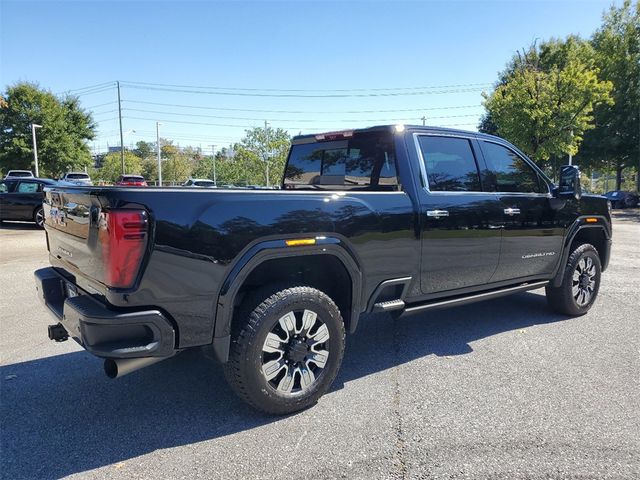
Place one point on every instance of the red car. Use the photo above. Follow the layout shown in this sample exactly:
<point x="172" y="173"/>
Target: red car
<point x="131" y="181"/>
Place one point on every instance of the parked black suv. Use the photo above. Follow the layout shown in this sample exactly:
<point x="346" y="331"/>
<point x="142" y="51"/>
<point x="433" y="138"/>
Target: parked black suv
<point x="21" y="199"/>
<point x="385" y="219"/>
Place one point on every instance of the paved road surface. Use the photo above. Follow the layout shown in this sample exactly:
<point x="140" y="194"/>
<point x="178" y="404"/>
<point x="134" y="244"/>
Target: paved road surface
<point x="503" y="389"/>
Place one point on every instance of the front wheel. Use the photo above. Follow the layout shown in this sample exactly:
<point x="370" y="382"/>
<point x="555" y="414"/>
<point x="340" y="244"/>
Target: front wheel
<point x="580" y="283"/>
<point x="38" y="217"/>
<point x="286" y="351"/>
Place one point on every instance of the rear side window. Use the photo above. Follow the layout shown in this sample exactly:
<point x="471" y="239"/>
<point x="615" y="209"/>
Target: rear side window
<point x="512" y="173"/>
<point x="363" y="162"/>
<point x="7" y="186"/>
<point x="450" y="164"/>
<point x="29" y="187"/>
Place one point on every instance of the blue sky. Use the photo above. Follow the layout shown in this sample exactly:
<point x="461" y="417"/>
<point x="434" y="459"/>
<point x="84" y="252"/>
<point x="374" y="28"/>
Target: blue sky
<point x="314" y="48"/>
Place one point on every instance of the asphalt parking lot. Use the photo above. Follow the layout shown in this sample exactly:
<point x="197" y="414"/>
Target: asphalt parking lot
<point x="503" y="389"/>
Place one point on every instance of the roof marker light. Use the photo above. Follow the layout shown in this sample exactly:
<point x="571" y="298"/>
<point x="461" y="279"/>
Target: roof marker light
<point x="399" y="128"/>
<point x="591" y="220"/>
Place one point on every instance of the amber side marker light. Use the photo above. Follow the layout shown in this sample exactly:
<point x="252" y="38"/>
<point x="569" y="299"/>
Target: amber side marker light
<point x="591" y="220"/>
<point x="300" y="241"/>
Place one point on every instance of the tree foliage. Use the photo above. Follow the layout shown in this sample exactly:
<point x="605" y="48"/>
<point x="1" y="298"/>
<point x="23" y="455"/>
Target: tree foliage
<point x="545" y="98"/>
<point x="614" y="143"/>
<point x="112" y="166"/>
<point x="62" y="140"/>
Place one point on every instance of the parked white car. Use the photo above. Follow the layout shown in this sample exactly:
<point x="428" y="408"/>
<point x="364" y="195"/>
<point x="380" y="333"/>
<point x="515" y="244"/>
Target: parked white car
<point x="77" y="178"/>
<point x="19" y="174"/>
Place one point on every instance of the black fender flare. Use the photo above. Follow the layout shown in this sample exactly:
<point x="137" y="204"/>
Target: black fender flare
<point x="268" y="250"/>
<point x="577" y="226"/>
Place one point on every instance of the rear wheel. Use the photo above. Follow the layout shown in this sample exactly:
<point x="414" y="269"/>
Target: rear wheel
<point x="286" y="351"/>
<point x="38" y="217"/>
<point x="580" y="283"/>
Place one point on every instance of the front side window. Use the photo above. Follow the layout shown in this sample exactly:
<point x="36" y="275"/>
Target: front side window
<point x="450" y="164"/>
<point x="512" y="173"/>
<point x="29" y="187"/>
<point x="365" y="161"/>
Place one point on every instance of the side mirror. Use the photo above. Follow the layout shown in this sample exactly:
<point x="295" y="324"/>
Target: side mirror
<point x="569" y="185"/>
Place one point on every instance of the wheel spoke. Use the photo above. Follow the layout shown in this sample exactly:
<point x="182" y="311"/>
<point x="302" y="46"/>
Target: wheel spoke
<point x="319" y="358"/>
<point x="575" y="291"/>
<point x="286" y="383"/>
<point x="576" y="275"/>
<point x="288" y="324"/>
<point x="306" y="377"/>
<point x="273" y="344"/>
<point x="321" y="335"/>
<point x="272" y="368"/>
<point x="308" y="321"/>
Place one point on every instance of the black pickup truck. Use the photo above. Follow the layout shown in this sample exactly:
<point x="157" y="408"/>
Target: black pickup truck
<point x="384" y="219"/>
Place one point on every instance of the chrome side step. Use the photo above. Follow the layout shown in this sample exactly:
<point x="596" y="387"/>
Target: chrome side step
<point x="388" y="306"/>
<point x="475" y="298"/>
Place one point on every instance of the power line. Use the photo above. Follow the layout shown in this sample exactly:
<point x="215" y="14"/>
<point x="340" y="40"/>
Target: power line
<point x="391" y="120"/>
<point x="89" y="87"/>
<point x="466" y="85"/>
<point x="225" y="109"/>
<point x="295" y="95"/>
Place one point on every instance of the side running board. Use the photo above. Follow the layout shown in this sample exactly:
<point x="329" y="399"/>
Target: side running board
<point x="474" y="298"/>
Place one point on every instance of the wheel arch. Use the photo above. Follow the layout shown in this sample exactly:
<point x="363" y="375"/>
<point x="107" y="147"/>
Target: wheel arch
<point x="596" y="234"/>
<point x="273" y="261"/>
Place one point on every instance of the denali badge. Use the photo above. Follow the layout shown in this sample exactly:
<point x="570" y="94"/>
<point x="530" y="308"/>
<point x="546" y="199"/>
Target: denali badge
<point x="541" y="254"/>
<point x="66" y="252"/>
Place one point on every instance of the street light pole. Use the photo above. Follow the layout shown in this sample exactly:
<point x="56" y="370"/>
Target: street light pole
<point x="121" y="134"/>
<point x="266" y="153"/>
<point x="158" y="153"/>
<point x="35" y="146"/>
<point x="213" y="156"/>
<point x="571" y="156"/>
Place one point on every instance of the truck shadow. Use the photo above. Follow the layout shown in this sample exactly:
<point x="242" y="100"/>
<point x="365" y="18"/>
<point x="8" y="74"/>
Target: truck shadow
<point x="61" y="416"/>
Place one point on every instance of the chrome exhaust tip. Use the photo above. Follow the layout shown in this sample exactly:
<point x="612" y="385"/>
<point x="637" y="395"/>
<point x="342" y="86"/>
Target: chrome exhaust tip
<point x="119" y="367"/>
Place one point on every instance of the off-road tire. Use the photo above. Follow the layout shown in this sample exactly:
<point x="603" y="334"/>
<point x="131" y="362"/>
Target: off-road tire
<point x="257" y="316"/>
<point x="562" y="299"/>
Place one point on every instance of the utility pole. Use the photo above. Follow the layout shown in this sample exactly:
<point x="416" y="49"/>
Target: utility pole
<point x="571" y="156"/>
<point x="35" y="146"/>
<point x="213" y="156"/>
<point x="121" y="135"/>
<point x="158" y="154"/>
<point x="424" y="120"/>
<point x="266" y="146"/>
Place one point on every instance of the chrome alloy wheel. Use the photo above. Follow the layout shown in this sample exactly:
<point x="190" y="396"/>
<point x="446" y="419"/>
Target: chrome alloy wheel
<point x="584" y="281"/>
<point x="295" y="351"/>
<point x="39" y="218"/>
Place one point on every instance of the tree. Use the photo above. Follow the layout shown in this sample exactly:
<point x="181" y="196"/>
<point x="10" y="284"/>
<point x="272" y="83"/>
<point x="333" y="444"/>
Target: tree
<point x="544" y="100"/>
<point x="261" y="148"/>
<point x="112" y="166"/>
<point x="62" y="140"/>
<point x="614" y="143"/>
<point x="145" y="149"/>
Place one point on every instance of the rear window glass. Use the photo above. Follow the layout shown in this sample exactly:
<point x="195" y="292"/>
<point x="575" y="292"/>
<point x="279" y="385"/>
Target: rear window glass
<point x="365" y="161"/>
<point x="132" y="179"/>
<point x="77" y="176"/>
<point x="450" y="164"/>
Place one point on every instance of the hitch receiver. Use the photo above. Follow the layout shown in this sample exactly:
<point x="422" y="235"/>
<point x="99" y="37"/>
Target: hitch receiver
<point x="57" y="333"/>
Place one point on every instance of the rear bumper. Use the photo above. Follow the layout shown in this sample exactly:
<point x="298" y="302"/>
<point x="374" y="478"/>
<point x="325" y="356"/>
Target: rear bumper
<point x="100" y="330"/>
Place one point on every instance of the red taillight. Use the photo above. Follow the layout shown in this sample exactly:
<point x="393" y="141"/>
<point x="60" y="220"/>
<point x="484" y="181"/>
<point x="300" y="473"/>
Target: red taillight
<point x="123" y="234"/>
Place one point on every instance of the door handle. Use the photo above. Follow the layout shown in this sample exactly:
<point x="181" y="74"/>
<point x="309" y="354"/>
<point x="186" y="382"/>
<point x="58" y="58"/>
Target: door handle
<point x="512" y="211"/>
<point x="437" y="213"/>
